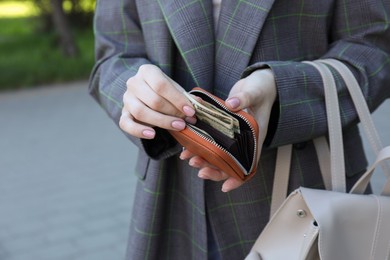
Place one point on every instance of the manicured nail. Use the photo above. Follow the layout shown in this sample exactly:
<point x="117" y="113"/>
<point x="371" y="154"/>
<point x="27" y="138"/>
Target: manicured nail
<point x="188" y="111"/>
<point x="181" y="156"/>
<point x="224" y="189"/>
<point x="233" y="102"/>
<point x="179" y="125"/>
<point x="190" y="120"/>
<point x="148" y="133"/>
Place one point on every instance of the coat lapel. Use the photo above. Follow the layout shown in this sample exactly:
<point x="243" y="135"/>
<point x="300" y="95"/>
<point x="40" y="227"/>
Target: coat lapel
<point x="191" y="26"/>
<point x="240" y="24"/>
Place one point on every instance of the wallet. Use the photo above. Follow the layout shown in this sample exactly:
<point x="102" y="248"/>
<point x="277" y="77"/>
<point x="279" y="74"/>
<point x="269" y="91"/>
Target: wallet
<point x="236" y="154"/>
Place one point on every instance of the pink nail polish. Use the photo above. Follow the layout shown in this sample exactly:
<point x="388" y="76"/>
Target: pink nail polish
<point x="188" y="111"/>
<point x="190" y="120"/>
<point x="202" y="176"/>
<point x="233" y="102"/>
<point x="148" y="133"/>
<point x="179" y="125"/>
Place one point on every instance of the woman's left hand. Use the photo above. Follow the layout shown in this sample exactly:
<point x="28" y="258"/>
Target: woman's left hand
<point x="256" y="93"/>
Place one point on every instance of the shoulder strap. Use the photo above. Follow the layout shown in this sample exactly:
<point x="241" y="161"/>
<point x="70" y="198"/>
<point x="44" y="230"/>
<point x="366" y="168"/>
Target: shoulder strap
<point x="363" y="112"/>
<point x="337" y="163"/>
<point x="361" y="184"/>
<point x="334" y="178"/>
<point x="282" y="173"/>
<point x="282" y="170"/>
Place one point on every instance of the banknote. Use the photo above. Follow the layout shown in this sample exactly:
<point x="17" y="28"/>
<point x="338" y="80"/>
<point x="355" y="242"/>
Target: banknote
<point x="216" y="123"/>
<point x="236" y="124"/>
<point x="215" y="117"/>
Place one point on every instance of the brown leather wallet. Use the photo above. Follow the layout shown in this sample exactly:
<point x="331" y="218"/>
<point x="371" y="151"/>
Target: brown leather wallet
<point x="235" y="156"/>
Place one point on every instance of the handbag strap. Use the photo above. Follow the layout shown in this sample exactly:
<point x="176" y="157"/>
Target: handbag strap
<point x="359" y="103"/>
<point x="323" y="156"/>
<point x="363" y="113"/>
<point x="337" y="162"/>
<point x="322" y="148"/>
<point x="283" y="160"/>
<point x="361" y="185"/>
<point x="360" y="106"/>
<point x="282" y="169"/>
<point x="281" y="174"/>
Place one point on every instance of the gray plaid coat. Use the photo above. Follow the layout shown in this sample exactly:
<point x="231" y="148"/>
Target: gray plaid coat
<point x="172" y="204"/>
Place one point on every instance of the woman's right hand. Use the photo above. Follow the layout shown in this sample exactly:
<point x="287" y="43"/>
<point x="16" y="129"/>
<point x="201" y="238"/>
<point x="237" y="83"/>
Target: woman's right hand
<point x="153" y="99"/>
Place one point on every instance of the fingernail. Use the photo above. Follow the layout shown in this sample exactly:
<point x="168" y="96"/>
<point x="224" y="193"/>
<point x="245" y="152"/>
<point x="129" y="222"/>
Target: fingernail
<point x="188" y="111"/>
<point x="233" y="102"/>
<point x="201" y="175"/>
<point x="179" y="125"/>
<point x="224" y="189"/>
<point x="148" y="133"/>
<point x="190" y="120"/>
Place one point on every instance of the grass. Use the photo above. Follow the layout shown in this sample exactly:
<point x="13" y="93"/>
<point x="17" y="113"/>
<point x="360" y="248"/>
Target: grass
<point x="28" y="58"/>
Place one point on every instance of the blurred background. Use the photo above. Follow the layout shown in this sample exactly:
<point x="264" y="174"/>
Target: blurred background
<point x="66" y="171"/>
<point x="45" y="41"/>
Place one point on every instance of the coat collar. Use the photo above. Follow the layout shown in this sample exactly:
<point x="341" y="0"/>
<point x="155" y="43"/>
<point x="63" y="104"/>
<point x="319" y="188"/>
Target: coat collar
<point x="191" y="26"/>
<point x="239" y="27"/>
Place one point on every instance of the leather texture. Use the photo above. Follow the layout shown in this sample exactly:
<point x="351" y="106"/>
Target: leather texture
<point x="213" y="153"/>
<point x="286" y="234"/>
<point x="351" y="226"/>
<point x="329" y="224"/>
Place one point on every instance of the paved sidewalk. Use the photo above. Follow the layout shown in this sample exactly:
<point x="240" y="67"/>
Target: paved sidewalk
<point x="66" y="176"/>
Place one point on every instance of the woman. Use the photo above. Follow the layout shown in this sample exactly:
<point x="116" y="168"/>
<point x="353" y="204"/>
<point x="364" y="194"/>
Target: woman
<point x="148" y="52"/>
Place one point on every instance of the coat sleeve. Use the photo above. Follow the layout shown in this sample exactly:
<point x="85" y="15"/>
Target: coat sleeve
<point x="120" y="51"/>
<point x="360" y="37"/>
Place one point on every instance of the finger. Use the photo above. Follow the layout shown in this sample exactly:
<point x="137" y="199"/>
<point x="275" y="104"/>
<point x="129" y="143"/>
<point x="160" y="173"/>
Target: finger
<point x="212" y="174"/>
<point x="142" y="113"/>
<point x="141" y="90"/>
<point x="191" y="120"/>
<point x="231" y="184"/>
<point x="253" y="90"/>
<point x="186" y="154"/>
<point x="239" y="98"/>
<point x="128" y="125"/>
<point x="166" y="88"/>
<point x="198" y="162"/>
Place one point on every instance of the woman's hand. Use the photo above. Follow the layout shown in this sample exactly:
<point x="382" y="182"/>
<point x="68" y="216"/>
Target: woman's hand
<point x="256" y="93"/>
<point x="153" y="99"/>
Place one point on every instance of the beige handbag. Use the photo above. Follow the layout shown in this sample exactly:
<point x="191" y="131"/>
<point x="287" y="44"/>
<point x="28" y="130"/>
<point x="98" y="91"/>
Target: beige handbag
<point x="329" y="224"/>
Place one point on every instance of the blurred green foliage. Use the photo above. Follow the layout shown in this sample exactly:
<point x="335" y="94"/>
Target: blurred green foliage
<point x="29" y="51"/>
<point x="17" y="9"/>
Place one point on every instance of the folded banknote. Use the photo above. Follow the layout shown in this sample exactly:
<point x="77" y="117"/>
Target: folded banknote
<point x="215" y="117"/>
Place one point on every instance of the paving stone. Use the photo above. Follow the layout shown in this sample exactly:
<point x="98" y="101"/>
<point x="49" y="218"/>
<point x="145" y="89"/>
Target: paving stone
<point x="22" y="244"/>
<point x="63" y="177"/>
<point x="57" y="251"/>
<point x="103" y="254"/>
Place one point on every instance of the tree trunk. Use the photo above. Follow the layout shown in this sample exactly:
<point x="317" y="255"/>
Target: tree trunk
<point x="61" y="24"/>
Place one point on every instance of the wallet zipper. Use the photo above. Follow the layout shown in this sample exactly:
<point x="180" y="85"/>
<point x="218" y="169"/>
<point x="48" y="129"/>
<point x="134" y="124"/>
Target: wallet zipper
<point x="223" y="149"/>
<point x="203" y="136"/>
